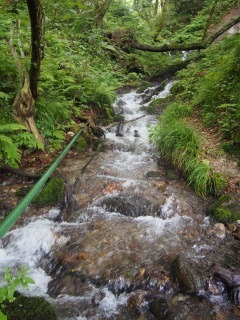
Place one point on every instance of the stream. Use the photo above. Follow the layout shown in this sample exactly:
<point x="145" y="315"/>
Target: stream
<point x="110" y="256"/>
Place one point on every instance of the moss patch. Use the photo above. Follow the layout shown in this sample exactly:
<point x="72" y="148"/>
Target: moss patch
<point x="51" y="194"/>
<point x="81" y="144"/>
<point x="226" y="214"/>
<point x="223" y="210"/>
<point x="157" y="105"/>
<point x="29" y="308"/>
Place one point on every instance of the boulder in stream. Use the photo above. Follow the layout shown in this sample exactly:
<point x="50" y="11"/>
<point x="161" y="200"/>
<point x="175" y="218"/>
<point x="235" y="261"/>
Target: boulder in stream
<point x="187" y="274"/>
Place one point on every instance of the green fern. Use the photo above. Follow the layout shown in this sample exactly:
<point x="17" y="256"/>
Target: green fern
<point x="11" y="127"/>
<point x="27" y="139"/>
<point x="9" y="151"/>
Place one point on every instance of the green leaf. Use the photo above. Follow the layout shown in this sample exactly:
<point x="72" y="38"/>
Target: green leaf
<point x="11" y="127"/>
<point x="4" y="95"/>
<point x="2" y="316"/>
<point x="59" y="134"/>
<point x="80" y="5"/>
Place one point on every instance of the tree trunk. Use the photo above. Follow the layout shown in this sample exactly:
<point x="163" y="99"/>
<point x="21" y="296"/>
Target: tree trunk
<point x="24" y="103"/>
<point x="156" y="7"/>
<point x="35" y="14"/>
<point x="100" y="11"/>
<point x="162" y="18"/>
<point x="166" y="48"/>
<point x="209" y="19"/>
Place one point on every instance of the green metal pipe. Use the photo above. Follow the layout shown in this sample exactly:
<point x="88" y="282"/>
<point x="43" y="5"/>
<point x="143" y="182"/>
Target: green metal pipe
<point x="9" y="221"/>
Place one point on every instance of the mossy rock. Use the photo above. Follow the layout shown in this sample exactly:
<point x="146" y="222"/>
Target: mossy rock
<point x="225" y="214"/>
<point x="143" y="87"/>
<point x="157" y="105"/>
<point x="29" y="308"/>
<point x="118" y="118"/>
<point x="81" y="144"/>
<point x="51" y="194"/>
<point x="224" y="209"/>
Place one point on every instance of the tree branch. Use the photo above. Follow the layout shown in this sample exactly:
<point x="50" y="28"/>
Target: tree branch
<point x="171" y="47"/>
<point x="226" y="27"/>
<point x="185" y="47"/>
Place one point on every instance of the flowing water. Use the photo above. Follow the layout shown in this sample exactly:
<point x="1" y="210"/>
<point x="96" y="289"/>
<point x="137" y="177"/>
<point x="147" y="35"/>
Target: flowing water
<point x="131" y="215"/>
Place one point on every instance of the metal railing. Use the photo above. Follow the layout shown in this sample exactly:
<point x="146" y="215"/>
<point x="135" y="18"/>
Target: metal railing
<point x="12" y="217"/>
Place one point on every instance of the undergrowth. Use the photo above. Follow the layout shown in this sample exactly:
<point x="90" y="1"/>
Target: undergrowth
<point x="180" y="144"/>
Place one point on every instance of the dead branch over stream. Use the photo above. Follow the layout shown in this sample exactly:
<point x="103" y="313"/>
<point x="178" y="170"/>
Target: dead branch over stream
<point x="122" y="122"/>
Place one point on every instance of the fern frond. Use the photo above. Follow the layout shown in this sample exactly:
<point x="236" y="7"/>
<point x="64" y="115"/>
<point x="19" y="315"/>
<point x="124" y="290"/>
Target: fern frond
<point x="11" y="127"/>
<point x="10" y="153"/>
<point x="27" y="139"/>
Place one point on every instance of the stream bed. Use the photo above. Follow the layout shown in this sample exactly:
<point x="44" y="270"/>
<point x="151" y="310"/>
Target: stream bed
<point x="111" y="255"/>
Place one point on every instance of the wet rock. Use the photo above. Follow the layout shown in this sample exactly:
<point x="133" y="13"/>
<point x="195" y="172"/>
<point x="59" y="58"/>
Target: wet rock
<point x="172" y="175"/>
<point x="136" y="134"/>
<point x="231" y="277"/>
<point x="191" y="308"/>
<point x="119" y="106"/>
<point x="154" y="175"/>
<point x="161" y="185"/>
<point x="187" y="274"/>
<point x="159" y="308"/>
<point x="236" y="233"/>
<point x="134" y="308"/>
<point x="219" y="230"/>
<point x="98" y="297"/>
<point x="135" y="300"/>
<point x="119" y="134"/>
<point x="131" y="205"/>
<point x="150" y="92"/>
<point x="70" y="283"/>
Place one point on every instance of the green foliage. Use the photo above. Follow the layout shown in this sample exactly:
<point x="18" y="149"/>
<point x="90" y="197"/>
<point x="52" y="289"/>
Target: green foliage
<point x="51" y="194"/>
<point x="27" y="139"/>
<point x="9" y="151"/>
<point x="179" y="143"/>
<point x="12" y="283"/>
<point x="229" y="121"/>
<point x="11" y="139"/>
<point x="212" y="85"/>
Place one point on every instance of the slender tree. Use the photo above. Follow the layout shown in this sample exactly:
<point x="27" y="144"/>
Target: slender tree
<point x="162" y="18"/>
<point x="24" y="103"/>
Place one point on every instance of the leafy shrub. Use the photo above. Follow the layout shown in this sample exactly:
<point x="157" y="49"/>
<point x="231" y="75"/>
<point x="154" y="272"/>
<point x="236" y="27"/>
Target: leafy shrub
<point x="229" y="121"/>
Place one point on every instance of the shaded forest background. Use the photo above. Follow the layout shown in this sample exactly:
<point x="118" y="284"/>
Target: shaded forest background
<point x="61" y="62"/>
